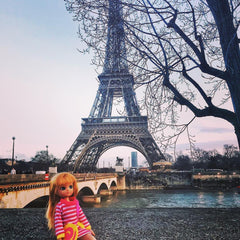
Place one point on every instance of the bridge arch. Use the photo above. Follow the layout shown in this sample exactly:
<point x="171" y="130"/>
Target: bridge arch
<point x="20" y="199"/>
<point x="85" y="191"/>
<point x="113" y="186"/>
<point x="103" y="186"/>
<point x="40" y="202"/>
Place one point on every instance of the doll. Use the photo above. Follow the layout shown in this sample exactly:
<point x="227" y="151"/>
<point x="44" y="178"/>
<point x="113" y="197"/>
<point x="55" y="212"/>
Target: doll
<point x="64" y="214"/>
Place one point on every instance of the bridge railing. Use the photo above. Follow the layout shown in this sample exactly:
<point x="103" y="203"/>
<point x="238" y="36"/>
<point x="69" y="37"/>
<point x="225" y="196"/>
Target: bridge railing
<point x="26" y="178"/>
<point x="21" y="178"/>
<point x="18" y="182"/>
<point x="93" y="176"/>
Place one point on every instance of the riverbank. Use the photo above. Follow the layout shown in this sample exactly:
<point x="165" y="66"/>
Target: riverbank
<point x="133" y="224"/>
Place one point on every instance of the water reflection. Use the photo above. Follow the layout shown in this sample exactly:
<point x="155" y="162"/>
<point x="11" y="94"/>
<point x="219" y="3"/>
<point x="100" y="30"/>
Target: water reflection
<point x="170" y="199"/>
<point x="220" y="198"/>
<point x="200" y="199"/>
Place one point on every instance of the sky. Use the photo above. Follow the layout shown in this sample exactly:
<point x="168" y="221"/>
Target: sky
<point x="47" y="86"/>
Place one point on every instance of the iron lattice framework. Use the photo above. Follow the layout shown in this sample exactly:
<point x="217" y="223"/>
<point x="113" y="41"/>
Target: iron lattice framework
<point x="102" y="131"/>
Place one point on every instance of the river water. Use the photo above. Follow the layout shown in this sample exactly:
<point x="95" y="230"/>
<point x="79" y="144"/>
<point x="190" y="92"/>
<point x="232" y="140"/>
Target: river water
<point x="171" y="199"/>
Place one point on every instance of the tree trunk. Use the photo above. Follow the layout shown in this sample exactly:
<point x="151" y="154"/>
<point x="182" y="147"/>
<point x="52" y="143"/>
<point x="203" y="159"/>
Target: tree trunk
<point x="231" y="53"/>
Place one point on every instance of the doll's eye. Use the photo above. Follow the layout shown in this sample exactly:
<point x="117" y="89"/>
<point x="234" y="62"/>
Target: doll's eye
<point x="62" y="188"/>
<point x="70" y="186"/>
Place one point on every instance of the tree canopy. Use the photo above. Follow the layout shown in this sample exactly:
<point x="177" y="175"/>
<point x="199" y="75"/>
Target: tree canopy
<point x="44" y="157"/>
<point x="204" y="160"/>
<point x="183" y="53"/>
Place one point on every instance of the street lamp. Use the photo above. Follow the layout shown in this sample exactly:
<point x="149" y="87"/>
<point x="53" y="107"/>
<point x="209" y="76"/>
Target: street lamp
<point x="13" y="138"/>
<point x="47" y="152"/>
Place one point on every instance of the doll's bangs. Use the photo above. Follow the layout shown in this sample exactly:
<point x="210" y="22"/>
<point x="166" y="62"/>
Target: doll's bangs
<point x="65" y="179"/>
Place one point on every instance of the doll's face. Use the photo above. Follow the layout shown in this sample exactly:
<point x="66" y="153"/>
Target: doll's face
<point x="65" y="191"/>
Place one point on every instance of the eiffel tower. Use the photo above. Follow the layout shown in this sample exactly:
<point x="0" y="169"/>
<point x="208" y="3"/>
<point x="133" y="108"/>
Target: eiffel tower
<point x="101" y="131"/>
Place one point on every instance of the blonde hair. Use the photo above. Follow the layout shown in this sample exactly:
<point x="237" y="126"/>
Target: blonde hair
<point x="58" y="180"/>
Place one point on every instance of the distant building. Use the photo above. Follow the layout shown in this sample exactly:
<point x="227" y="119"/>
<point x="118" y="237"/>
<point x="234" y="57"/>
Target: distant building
<point x="134" y="159"/>
<point x="143" y="169"/>
<point x="162" y="166"/>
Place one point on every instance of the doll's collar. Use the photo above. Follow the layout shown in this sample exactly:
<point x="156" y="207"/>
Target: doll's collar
<point x="72" y="201"/>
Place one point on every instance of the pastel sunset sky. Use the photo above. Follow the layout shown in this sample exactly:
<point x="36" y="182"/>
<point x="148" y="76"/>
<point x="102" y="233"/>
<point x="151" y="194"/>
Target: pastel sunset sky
<point x="47" y="86"/>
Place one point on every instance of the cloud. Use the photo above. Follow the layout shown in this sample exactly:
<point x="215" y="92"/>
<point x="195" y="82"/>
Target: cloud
<point x="208" y="145"/>
<point x="215" y="130"/>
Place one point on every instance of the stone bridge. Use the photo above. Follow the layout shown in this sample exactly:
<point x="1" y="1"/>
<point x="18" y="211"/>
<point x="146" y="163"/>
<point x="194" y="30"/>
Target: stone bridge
<point x="17" y="191"/>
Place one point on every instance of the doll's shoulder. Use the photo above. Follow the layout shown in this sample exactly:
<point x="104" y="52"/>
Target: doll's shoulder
<point x="59" y="205"/>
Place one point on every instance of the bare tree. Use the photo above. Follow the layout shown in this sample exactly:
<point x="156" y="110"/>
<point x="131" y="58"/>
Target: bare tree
<point x="230" y="151"/>
<point x="183" y="53"/>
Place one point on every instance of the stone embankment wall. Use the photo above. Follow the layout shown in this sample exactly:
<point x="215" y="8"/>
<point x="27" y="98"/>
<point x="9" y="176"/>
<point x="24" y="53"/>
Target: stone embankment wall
<point x="217" y="180"/>
<point x="159" y="180"/>
<point x="182" y="179"/>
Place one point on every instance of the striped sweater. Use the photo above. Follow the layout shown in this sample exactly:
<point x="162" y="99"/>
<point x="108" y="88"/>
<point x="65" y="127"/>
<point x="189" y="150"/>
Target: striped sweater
<point x="70" y="212"/>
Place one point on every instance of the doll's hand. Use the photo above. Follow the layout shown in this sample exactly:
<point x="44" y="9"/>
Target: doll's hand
<point x="92" y="232"/>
